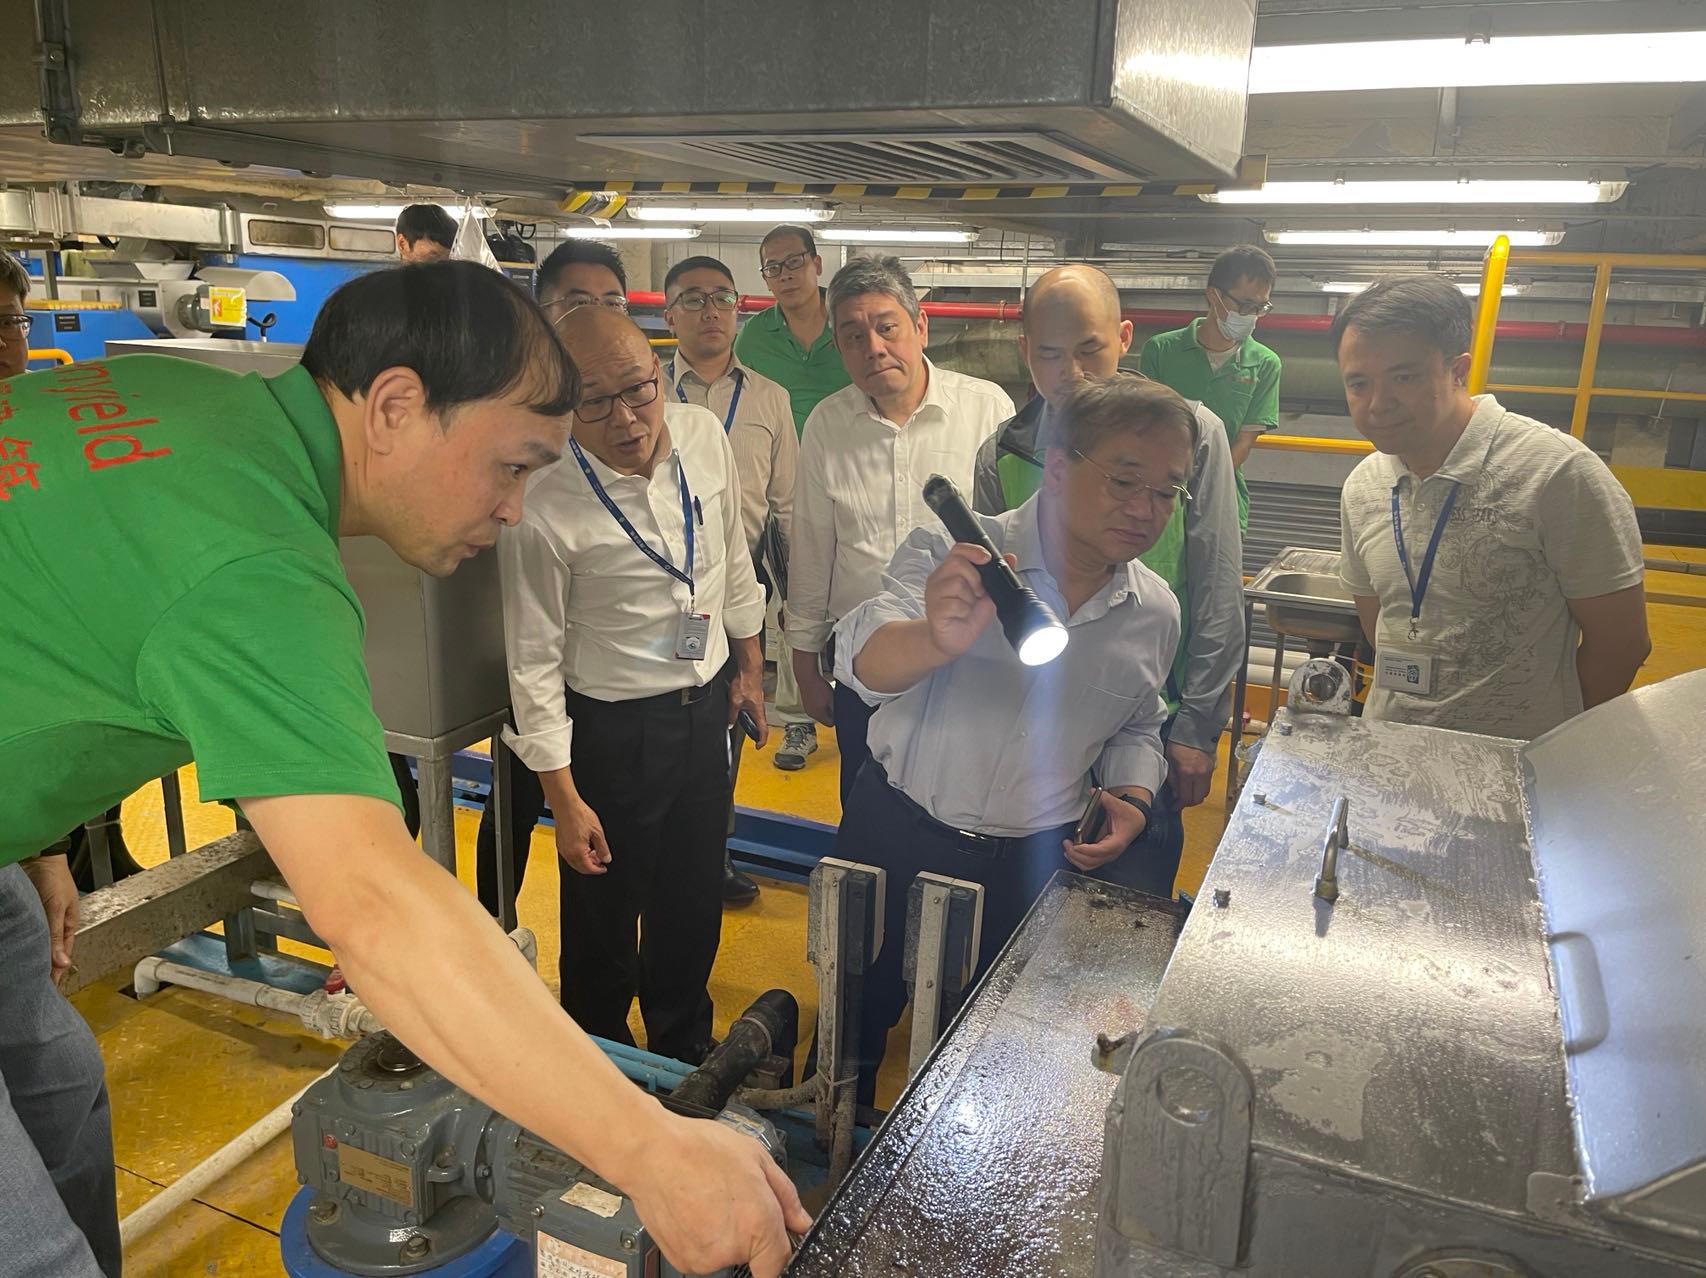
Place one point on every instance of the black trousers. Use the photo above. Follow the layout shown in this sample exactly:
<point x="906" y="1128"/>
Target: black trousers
<point x="881" y="826"/>
<point x="852" y="722"/>
<point x="408" y="792"/>
<point x="526" y="809"/>
<point x="657" y="774"/>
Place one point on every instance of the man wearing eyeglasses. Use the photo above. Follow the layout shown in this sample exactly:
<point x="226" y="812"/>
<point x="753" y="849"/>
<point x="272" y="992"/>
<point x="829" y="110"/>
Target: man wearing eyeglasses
<point x="576" y="273"/>
<point x="700" y="304"/>
<point x="1072" y="330"/>
<point x="629" y="580"/>
<point x="14" y="320"/>
<point x="980" y="765"/>
<point x="791" y="344"/>
<point x="1216" y="360"/>
<point x="581" y="273"/>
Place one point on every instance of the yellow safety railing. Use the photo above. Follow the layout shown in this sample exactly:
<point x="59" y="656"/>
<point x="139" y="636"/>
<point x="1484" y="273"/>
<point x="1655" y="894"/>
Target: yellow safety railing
<point x="54" y="353"/>
<point x="1675" y="489"/>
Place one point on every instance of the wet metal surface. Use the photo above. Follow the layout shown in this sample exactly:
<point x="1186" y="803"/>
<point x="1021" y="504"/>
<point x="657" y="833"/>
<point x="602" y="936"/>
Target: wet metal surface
<point x="1407" y="1031"/>
<point x="989" y="1163"/>
<point x="1619" y="818"/>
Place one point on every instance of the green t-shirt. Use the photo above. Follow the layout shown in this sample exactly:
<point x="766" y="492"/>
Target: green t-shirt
<point x="169" y="536"/>
<point x="766" y="345"/>
<point x="1243" y="392"/>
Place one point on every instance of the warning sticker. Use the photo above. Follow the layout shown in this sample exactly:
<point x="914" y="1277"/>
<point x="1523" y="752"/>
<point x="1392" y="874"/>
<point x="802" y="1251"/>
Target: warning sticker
<point x="558" y="1259"/>
<point x="227" y="307"/>
<point x="592" y="1198"/>
<point x="376" y="1175"/>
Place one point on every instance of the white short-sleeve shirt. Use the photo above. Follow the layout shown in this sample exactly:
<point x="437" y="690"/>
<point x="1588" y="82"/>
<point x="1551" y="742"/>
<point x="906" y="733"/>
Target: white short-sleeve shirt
<point x="1539" y="520"/>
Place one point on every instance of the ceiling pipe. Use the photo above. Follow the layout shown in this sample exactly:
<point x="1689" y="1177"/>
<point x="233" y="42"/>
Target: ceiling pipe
<point x="1516" y="330"/>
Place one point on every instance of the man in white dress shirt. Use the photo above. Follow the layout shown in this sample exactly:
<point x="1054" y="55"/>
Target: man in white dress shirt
<point x="700" y="304"/>
<point x="632" y="614"/>
<point x="867" y="451"/>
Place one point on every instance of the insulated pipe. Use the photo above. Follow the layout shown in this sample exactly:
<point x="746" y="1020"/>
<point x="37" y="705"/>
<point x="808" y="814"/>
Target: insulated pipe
<point x="1516" y="330"/>
<point x="769" y="1027"/>
<point x="210" y="1170"/>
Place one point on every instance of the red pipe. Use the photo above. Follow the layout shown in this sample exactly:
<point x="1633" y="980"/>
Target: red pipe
<point x="1518" y="330"/>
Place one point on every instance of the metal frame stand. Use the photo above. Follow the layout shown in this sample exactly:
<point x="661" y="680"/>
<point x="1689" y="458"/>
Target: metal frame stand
<point x="433" y="756"/>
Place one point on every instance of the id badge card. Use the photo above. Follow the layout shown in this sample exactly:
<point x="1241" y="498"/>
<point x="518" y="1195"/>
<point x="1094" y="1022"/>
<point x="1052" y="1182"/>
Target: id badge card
<point x="693" y="636"/>
<point x="1407" y="667"/>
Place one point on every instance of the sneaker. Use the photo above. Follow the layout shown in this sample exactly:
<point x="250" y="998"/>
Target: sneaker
<point x="798" y="741"/>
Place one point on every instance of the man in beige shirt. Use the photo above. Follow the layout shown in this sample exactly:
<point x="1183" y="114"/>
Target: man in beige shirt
<point x="700" y="305"/>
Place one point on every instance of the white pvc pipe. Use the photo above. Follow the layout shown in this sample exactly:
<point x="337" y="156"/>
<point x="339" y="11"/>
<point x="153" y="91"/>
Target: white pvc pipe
<point x="206" y="1172"/>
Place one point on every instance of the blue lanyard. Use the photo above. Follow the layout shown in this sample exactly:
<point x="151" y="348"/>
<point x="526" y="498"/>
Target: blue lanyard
<point x="1419" y="585"/>
<point x="633" y="533"/>
<point x="734" y="400"/>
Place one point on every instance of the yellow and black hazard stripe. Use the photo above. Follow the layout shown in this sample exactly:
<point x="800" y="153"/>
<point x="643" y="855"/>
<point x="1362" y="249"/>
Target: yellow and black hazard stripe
<point x="575" y="202"/>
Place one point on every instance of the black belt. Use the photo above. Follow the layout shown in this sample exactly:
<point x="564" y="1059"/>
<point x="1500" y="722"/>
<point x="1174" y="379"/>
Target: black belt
<point x="661" y="700"/>
<point x="993" y="847"/>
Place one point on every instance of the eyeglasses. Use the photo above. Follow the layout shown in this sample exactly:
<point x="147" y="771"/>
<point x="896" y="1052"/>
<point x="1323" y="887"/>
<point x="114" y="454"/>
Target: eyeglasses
<point x="12" y="325"/>
<point x="574" y="301"/>
<point x="599" y="407"/>
<point x="789" y="264"/>
<point x="1242" y="307"/>
<point x="1124" y="491"/>
<point x="693" y="300"/>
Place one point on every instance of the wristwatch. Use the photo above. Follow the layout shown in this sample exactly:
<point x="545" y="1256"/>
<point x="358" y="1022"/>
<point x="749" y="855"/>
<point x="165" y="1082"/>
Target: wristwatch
<point x="1141" y="805"/>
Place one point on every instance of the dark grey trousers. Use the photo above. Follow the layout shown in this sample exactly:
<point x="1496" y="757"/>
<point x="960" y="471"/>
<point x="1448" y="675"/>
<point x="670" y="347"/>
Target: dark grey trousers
<point x="58" y="1212"/>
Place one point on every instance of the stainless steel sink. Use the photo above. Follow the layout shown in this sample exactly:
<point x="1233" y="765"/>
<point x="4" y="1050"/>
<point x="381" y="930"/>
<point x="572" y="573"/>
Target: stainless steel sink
<point x="1304" y="597"/>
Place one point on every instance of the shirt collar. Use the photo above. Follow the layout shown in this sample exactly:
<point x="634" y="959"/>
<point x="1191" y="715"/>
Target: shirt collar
<point x="1469" y="454"/>
<point x="935" y="396"/>
<point x="1241" y="353"/>
<point x="1025" y="542"/>
<point x="680" y="370"/>
<point x="299" y="396"/>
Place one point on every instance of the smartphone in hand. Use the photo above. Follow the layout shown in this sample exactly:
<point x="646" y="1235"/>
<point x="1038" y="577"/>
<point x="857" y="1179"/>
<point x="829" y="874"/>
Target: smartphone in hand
<point x="748" y="725"/>
<point x="1093" y="823"/>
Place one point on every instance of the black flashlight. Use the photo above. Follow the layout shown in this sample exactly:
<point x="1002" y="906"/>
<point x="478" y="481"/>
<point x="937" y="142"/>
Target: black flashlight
<point x="1036" y="634"/>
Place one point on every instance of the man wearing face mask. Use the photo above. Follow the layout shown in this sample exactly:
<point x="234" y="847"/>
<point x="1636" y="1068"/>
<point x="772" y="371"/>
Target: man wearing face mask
<point x="1216" y="359"/>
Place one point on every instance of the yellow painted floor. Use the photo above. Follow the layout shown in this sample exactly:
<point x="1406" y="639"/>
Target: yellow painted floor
<point x="188" y="1071"/>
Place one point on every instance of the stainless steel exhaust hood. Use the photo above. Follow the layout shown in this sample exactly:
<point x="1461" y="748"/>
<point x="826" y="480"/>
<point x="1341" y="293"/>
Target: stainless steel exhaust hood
<point x="532" y="95"/>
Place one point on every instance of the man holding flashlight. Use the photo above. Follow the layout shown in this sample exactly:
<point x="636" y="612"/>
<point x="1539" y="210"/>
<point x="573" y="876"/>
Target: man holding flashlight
<point x="980" y="764"/>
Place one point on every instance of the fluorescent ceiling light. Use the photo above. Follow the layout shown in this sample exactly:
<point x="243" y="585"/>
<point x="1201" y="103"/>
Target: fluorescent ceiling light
<point x="631" y="232"/>
<point x="728" y="213"/>
<point x="1365" y="238"/>
<point x="1427" y="191"/>
<point x="1663" y="57"/>
<point x="388" y="212"/>
<point x="884" y="235"/>
<point x="1467" y="289"/>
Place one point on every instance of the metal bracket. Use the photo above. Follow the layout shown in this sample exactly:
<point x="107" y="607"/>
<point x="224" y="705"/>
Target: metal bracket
<point x="1320" y="685"/>
<point x="944" y="926"/>
<point x="61" y="116"/>
<point x="844" y="932"/>
<point x="1177" y="1148"/>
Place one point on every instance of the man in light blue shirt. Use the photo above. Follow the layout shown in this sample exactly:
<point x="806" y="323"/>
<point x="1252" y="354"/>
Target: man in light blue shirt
<point x="980" y="765"/>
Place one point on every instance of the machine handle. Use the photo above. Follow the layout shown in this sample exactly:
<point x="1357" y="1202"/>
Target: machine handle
<point x="1327" y="882"/>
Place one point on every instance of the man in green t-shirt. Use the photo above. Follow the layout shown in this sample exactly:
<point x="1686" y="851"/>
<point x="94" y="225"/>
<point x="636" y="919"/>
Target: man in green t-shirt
<point x="170" y="532"/>
<point x="792" y="345"/>
<point x="1216" y="360"/>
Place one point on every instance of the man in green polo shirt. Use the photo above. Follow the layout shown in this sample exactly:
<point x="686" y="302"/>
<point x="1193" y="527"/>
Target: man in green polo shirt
<point x="791" y="344"/>
<point x="1216" y="360"/>
<point x="1072" y="330"/>
<point x="170" y="535"/>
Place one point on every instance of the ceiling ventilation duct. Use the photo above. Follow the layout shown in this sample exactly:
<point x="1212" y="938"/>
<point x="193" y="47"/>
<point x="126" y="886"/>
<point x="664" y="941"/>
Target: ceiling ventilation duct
<point x="883" y="91"/>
